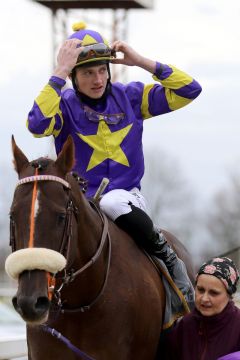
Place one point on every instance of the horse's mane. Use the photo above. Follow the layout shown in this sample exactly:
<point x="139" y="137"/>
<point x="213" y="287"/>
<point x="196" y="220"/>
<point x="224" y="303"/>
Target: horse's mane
<point x="42" y="163"/>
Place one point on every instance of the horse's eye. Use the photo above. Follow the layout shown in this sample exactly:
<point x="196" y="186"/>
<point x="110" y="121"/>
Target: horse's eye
<point x="61" y="217"/>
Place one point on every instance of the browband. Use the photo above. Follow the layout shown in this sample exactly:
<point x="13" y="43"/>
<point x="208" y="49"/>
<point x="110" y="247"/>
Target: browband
<point x="43" y="178"/>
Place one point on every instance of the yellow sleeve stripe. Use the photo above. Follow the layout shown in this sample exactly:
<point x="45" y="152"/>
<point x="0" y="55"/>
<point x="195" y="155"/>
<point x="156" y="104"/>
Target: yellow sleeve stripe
<point x="38" y="135"/>
<point x="50" y="130"/>
<point x="145" y="103"/>
<point x="56" y="132"/>
<point x="176" y="80"/>
<point x="175" y="101"/>
<point x="48" y="101"/>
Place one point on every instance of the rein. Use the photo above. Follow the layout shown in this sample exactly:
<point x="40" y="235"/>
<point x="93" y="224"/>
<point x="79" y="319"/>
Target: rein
<point x="67" y="342"/>
<point x="69" y="278"/>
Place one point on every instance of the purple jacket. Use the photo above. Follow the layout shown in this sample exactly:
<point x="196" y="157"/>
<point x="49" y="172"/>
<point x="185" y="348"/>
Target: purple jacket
<point x="197" y="337"/>
<point x="103" y="149"/>
<point x="232" y="356"/>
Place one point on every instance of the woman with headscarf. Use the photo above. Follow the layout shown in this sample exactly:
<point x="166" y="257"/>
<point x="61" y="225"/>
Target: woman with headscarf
<point x="212" y="329"/>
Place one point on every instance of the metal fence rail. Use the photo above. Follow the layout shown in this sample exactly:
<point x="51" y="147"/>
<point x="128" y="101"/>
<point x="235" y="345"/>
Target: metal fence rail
<point x="13" y="348"/>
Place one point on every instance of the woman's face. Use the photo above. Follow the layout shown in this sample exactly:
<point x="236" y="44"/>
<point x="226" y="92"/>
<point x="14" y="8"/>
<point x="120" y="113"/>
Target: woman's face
<point x="211" y="295"/>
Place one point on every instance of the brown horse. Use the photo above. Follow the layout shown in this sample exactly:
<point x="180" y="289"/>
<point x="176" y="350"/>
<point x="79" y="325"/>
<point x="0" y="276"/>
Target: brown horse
<point x="77" y="271"/>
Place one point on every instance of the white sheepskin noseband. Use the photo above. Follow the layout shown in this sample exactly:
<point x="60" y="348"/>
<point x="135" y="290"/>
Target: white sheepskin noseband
<point x="34" y="259"/>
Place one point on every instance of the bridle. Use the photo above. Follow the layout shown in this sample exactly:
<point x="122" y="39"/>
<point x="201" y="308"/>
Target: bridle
<point x="70" y="274"/>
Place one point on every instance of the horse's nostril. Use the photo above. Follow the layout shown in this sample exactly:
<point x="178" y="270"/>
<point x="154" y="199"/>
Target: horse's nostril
<point x="42" y="304"/>
<point x="15" y="303"/>
<point x="30" y="308"/>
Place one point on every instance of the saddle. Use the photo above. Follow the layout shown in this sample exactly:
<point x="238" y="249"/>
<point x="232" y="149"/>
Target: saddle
<point x="176" y="304"/>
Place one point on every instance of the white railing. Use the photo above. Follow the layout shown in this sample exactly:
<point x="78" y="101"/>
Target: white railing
<point x="7" y="292"/>
<point x="13" y="348"/>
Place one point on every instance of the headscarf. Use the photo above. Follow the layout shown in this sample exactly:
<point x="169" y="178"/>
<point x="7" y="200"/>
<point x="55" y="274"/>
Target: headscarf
<point x="224" y="269"/>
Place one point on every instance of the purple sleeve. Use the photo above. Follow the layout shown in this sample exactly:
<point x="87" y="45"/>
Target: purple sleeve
<point x="45" y="117"/>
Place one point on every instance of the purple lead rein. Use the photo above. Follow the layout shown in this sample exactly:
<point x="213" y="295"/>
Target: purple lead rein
<point x="67" y="342"/>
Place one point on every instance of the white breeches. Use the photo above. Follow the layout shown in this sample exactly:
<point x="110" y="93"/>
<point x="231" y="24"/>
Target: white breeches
<point x="116" y="202"/>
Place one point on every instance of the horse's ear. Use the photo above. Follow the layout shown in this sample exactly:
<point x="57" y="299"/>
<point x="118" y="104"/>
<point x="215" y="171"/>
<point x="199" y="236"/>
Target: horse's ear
<point x="66" y="158"/>
<point x="19" y="159"/>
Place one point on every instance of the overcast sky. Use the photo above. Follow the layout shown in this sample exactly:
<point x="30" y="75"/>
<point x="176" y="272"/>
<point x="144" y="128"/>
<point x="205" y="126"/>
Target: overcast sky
<point x="201" y="37"/>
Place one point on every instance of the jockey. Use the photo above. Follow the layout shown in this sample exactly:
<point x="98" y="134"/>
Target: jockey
<point x="105" y="120"/>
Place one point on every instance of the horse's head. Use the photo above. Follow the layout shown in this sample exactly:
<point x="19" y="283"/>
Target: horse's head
<point x="40" y="222"/>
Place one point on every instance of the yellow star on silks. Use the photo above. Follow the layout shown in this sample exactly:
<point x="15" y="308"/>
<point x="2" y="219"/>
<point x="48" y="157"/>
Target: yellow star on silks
<point x="106" y="145"/>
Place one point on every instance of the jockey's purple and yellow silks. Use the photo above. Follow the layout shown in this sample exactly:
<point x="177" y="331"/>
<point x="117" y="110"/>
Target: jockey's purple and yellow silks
<point x="106" y="150"/>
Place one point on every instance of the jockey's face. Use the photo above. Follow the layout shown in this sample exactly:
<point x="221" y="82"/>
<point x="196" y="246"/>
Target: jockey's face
<point x="211" y="295"/>
<point x="92" y="80"/>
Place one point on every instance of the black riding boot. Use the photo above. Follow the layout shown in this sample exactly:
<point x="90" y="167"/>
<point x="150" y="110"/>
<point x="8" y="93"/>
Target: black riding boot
<point x="162" y="250"/>
<point x="139" y="225"/>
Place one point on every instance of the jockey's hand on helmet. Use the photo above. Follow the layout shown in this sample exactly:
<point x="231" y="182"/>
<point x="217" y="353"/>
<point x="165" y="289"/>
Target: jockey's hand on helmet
<point x="131" y="57"/>
<point x="67" y="57"/>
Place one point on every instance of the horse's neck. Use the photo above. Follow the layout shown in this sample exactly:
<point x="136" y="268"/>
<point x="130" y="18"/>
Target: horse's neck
<point x="88" y="225"/>
<point x="89" y="231"/>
